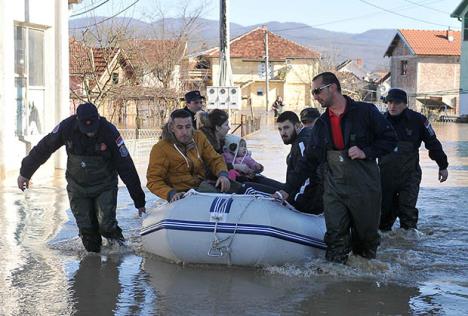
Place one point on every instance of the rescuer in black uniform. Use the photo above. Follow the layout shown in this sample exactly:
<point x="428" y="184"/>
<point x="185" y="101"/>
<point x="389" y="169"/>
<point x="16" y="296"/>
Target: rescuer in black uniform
<point x="347" y="139"/>
<point x="400" y="171"/>
<point x="96" y="155"/>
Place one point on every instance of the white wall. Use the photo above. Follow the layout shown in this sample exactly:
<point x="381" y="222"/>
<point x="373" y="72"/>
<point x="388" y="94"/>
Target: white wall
<point x="53" y="16"/>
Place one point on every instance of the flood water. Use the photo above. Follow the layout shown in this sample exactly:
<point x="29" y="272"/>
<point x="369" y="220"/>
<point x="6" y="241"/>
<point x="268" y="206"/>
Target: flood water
<point x="44" y="269"/>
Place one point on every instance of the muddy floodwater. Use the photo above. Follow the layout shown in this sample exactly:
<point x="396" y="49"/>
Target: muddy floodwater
<point x="44" y="269"/>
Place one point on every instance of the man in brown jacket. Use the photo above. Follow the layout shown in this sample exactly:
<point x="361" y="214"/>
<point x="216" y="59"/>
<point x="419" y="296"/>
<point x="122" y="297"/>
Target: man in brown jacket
<point x="177" y="162"/>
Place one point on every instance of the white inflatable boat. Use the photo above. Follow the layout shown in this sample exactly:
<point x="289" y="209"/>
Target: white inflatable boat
<point x="246" y="230"/>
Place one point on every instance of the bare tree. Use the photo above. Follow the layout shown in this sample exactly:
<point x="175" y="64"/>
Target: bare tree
<point x="132" y="75"/>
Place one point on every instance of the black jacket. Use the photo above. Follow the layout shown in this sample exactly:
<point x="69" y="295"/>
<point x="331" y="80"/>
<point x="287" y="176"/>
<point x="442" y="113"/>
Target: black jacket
<point x="414" y="127"/>
<point x="362" y="125"/>
<point x="308" y="198"/>
<point x="107" y="143"/>
<point x="192" y="115"/>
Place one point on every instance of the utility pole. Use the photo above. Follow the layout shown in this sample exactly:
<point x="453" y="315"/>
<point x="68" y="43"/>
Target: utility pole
<point x="225" y="72"/>
<point x="267" y="69"/>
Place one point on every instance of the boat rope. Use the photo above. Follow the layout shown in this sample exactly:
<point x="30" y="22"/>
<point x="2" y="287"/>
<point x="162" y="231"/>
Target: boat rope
<point x="218" y="246"/>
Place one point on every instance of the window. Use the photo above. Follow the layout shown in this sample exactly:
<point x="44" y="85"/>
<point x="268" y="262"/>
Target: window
<point x="260" y="91"/>
<point x="115" y="78"/>
<point x="403" y="67"/>
<point x="29" y="80"/>
<point x="465" y="27"/>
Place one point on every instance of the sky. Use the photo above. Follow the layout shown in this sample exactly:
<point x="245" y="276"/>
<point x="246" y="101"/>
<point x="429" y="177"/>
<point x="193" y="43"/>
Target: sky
<point x="353" y="16"/>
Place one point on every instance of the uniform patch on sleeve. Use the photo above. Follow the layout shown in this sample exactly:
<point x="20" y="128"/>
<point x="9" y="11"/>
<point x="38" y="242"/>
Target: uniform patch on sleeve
<point x="119" y="141"/>
<point x="123" y="151"/>
<point x="429" y="128"/>
<point x="56" y="128"/>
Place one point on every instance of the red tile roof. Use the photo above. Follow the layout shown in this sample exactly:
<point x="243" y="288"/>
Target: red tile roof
<point x="250" y="46"/>
<point x="83" y="57"/>
<point x="428" y="42"/>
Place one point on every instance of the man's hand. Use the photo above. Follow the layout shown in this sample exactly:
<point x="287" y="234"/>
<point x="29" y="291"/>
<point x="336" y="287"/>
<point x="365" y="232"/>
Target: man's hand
<point x="443" y="175"/>
<point x="177" y="196"/>
<point x="223" y="184"/>
<point x="141" y="210"/>
<point x="23" y="183"/>
<point x="281" y="194"/>
<point x="356" y="153"/>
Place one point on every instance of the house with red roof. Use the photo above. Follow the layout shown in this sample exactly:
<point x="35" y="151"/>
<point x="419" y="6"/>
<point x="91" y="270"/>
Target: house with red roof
<point x="133" y="84"/>
<point x="461" y="13"/>
<point x="426" y="64"/>
<point x="292" y="67"/>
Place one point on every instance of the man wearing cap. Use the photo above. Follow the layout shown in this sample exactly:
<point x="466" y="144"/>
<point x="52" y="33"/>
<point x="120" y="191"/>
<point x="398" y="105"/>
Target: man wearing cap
<point x="194" y="103"/>
<point x="400" y="171"/>
<point x="309" y="116"/>
<point x="96" y="155"/>
<point x="346" y="139"/>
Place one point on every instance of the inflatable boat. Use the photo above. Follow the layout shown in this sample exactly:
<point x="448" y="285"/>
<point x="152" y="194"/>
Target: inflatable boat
<point x="250" y="230"/>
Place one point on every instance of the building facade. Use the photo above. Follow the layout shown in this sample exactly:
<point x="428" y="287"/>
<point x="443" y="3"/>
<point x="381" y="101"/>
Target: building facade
<point x="291" y="69"/>
<point x="426" y="64"/>
<point x="461" y="13"/>
<point x="34" y="77"/>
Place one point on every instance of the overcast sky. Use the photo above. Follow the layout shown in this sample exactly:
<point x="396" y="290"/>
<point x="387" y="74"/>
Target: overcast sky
<point x="352" y="16"/>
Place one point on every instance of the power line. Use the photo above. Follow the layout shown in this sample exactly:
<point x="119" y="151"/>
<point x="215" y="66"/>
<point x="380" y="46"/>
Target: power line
<point x="89" y="10"/>
<point x="426" y="7"/>
<point x="343" y="20"/>
<point x="106" y="19"/>
<point x="402" y="15"/>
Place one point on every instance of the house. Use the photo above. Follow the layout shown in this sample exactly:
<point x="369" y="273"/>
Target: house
<point x="292" y="67"/>
<point x="355" y="80"/>
<point x="426" y="64"/>
<point x="133" y="84"/>
<point x="461" y="13"/>
<point x="34" y="80"/>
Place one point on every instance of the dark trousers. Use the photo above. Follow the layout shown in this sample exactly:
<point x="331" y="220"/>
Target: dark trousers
<point x="400" y="190"/>
<point x="352" y="199"/>
<point x="95" y="216"/>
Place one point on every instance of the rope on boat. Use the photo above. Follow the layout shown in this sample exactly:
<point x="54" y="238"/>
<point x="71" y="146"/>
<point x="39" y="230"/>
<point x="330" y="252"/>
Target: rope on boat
<point x="218" y="246"/>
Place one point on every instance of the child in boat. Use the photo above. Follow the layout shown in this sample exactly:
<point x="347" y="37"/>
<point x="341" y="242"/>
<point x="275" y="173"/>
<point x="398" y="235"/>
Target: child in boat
<point x="235" y="152"/>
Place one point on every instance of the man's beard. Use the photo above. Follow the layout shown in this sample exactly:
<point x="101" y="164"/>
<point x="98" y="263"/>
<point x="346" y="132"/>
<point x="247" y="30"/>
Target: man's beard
<point x="291" y="139"/>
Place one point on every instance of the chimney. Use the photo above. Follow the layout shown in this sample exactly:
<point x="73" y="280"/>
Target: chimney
<point x="359" y="62"/>
<point x="450" y="35"/>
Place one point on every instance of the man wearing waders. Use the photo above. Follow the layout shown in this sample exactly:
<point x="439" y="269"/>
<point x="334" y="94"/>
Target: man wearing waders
<point x="400" y="171"/>
<point x="96" y="154"/>
<point x="347" y="138"/>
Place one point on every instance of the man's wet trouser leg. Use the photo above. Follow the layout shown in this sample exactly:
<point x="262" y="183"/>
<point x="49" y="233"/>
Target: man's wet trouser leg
<point x="105" y="205"/>
<point x="95" y="216"/>
<point x="407" y="211"/>
<point x="364" y="202"/>
<point x="389" y="200"/>
<point x="365" y="214"/>
<point x="83" y="210"/>
<point x="338" y="222"/>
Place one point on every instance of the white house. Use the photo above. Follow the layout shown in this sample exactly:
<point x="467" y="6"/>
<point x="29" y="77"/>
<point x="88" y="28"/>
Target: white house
<point x="33" y="77"/>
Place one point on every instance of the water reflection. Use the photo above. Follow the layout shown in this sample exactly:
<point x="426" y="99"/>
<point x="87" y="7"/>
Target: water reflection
<point x="111" y="285"/>
<point x="202" y="290"/>
<point x="30" y="272"/>
<point x="96" y="286"/>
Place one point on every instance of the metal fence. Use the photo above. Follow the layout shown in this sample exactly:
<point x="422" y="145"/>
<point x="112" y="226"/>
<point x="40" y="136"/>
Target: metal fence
<point x="140" y="133"/>
<point x="245" y="124"/>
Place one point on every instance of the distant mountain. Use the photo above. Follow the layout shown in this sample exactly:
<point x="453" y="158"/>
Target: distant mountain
<point x="370" y="46"/>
